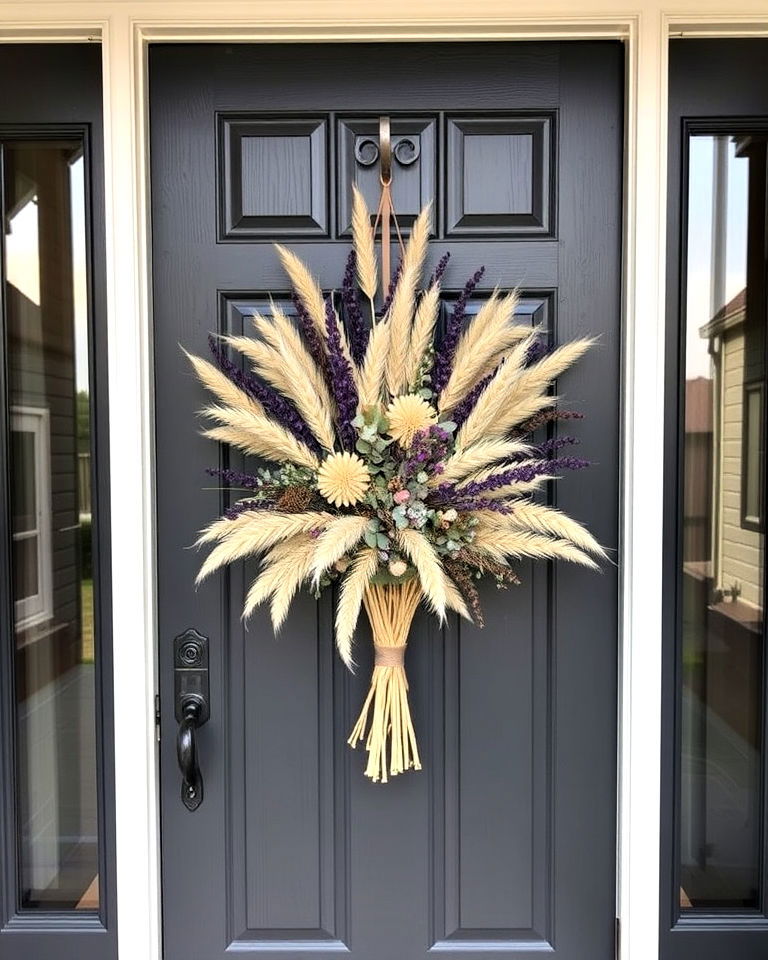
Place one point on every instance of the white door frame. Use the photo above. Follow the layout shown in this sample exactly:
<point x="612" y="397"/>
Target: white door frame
<point x="125" y="29"/>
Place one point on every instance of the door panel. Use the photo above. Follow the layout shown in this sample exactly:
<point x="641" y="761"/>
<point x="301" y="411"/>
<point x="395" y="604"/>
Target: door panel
<point x="505" y="841"/>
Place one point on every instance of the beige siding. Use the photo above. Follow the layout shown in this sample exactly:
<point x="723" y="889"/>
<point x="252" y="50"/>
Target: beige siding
<point x="740" y="548"/>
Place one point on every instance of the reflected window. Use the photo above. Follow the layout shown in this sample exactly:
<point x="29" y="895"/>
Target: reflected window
<point x="46" y="305"/>
<point x="31" y="559"/>
<point x="753" y="456"/>
<point x="723" y="552"/>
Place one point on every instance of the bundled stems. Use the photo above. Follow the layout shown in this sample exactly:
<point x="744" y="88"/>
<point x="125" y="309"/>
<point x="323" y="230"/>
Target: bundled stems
<point x="385" y="720"/>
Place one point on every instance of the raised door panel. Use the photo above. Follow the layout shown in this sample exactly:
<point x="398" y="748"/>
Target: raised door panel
<point x="273" y="176"/>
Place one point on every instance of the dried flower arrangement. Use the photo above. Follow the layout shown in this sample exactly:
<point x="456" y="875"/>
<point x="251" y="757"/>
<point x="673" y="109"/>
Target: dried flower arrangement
<point x="405" y="461"/>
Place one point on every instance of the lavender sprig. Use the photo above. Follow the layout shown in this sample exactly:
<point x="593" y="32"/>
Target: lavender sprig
<point x="357" y="329"/>
<point x="234" y="478"/>
<point x="549" y="447"/>
<point x="444" y="355"/>
<point x="342" y="382"/>
<point x="391" y="289"/>
<point x="545" y="416"/>
<point x="241" y="506"/>
<point x="440" y="269"/>
<point x="524" y="473"/>
<point x="275" y="405"/>
<point x="538" y="349"/>
<point x="311" y="336"/>
<point x="470" y="504"/>
<point x="468" y="404"/>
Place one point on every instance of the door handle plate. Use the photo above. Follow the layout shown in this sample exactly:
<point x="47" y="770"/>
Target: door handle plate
<point x="192" y="709"/>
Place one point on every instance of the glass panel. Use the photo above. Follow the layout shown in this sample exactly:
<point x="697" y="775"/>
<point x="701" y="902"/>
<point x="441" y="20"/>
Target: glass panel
<point x="723" y="563"/>
<point x="752" y="507"/>
<point x="46" y="294"/>
<point x="24" y="557"/>
<point x="23" y="494"/>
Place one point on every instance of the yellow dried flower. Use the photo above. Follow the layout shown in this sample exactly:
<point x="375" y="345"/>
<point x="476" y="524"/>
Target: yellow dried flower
<point x="343" y="479"/>
<point x="407" y="415"/>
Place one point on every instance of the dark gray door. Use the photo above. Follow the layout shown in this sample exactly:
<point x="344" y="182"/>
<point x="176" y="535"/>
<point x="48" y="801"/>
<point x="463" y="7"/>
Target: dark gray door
<point x="505" y="841"/>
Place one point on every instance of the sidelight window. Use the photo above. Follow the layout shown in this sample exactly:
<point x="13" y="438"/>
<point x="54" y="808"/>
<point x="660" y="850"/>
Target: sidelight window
<point x="53" y="640"/>
<point x="722" y="562"/>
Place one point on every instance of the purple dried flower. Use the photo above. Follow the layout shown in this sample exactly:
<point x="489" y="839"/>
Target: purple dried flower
<point x="427" y="451"/>
<point x="480" y="503"/>
<point x="569" y="463"/>
<point x="311" y="336"/>
<point x="275" y="405"/>
<point x="357" y="329"/>
<point x="542" y="417"/>
<point x="342" y="382"/>
<point x="440" y="269"/>
<point x="468" y="404"/>
<point x="524" y="473"/>
<point x="233" y="478"/>
<point x="444" y="356"/>
<point x="237" y="508"/>
<point x="550" y="447"/>
<point x="538" y="349"/>
<point x="391" y="289"/>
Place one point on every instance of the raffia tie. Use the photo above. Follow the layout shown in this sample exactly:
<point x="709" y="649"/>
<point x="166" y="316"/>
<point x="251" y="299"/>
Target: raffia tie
<point x="385" y="721"/>
<point x="388" y="656"/>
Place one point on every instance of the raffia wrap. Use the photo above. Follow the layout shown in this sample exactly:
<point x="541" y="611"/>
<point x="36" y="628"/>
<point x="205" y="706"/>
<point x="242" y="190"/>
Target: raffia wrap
<point x="385" y="720"/>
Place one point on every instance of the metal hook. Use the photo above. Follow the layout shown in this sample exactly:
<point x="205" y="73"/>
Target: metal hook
<point x="385" y="152"/>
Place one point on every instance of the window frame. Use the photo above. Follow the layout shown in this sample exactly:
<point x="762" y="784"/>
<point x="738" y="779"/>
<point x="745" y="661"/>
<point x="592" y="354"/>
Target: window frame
<point x="37" y="421"/>
<point x="755" y="523"/>
<point x="681" y="931"/>
<point x="67" y="933"/>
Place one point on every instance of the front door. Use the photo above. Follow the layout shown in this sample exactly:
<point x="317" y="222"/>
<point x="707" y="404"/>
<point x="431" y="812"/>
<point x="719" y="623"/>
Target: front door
<point x="505" y="841"/>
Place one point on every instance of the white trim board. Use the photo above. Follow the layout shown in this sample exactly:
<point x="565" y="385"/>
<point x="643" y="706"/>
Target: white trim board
<point x="126" y="28"/>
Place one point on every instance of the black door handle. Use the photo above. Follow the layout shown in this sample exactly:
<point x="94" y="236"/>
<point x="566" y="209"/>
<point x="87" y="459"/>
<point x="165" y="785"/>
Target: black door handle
<point x="186" y="751"/>
<point x="192" y="711"/>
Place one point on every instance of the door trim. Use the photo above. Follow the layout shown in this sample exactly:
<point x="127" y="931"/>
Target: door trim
<point x="125" y="30"/>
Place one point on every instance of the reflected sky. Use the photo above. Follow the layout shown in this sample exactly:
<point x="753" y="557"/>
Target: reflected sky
<point x="700" y="308"/>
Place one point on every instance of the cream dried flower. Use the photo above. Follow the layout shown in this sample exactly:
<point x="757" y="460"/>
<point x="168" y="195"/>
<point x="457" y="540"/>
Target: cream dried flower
<point x="407" y="415"/>
<point x="343" y="479"/>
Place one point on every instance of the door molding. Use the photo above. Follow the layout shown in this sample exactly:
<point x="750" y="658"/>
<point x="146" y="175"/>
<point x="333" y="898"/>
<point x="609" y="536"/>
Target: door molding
<point x="125" y="30"/>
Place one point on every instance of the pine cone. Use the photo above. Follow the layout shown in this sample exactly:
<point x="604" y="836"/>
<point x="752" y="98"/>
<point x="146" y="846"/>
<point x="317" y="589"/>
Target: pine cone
<point x="295" y="499"/>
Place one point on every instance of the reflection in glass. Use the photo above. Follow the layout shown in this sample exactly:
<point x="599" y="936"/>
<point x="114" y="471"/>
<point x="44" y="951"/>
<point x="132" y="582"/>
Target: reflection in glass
<point x="723" y="562"/>
<point x="47" y="349"/>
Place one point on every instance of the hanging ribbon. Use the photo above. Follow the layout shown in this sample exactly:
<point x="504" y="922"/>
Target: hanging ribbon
<point x="386" y="215"/>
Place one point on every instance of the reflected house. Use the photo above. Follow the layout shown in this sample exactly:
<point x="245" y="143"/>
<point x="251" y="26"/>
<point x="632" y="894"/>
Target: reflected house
<point x="54" y="670"/>
<point x="43" y="398"/>
<point x="723" y="573"/>
<point x="737" y="400"/>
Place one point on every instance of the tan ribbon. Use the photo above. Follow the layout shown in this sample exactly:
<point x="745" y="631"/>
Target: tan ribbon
<point x="386" y="656"/>
<point x="386" y="212"/>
